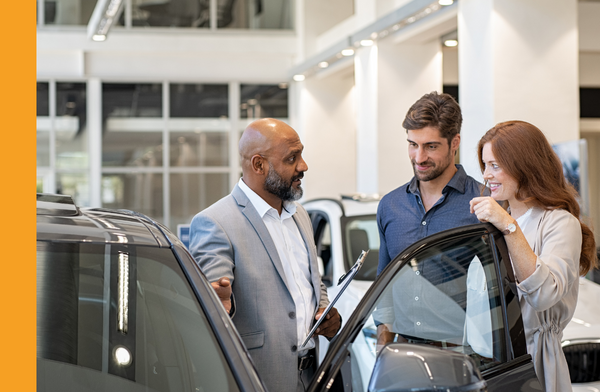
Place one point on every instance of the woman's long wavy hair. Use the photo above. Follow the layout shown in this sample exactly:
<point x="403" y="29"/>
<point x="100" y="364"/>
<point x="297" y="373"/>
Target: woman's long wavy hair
<point x="524" y="153"/>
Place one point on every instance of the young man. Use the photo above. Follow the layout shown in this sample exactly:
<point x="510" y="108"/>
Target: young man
<point x="437" y="198"/>
<point x="256" y="247"/>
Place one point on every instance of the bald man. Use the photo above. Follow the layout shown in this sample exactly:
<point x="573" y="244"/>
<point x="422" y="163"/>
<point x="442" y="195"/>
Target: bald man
<point x="256" y="248"/>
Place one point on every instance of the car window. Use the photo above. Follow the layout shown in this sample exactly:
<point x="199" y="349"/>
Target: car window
<point x="124" y="318"/>
<point x="360" y="234"/>
<point x="446" y="296"/>
<point x="322" y="237"/>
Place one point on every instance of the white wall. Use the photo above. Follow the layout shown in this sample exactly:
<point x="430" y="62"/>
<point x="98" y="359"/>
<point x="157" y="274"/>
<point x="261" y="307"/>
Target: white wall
<point x="329" y="135"/>
<point x="406" y="73"/>
<point x="167" y="55"/>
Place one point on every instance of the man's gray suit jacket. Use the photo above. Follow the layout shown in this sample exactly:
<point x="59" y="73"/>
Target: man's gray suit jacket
<point x="230" y="239"/>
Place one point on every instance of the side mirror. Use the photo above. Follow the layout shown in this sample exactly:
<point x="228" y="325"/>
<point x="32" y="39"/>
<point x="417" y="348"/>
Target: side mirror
<point x="414" y="367"/>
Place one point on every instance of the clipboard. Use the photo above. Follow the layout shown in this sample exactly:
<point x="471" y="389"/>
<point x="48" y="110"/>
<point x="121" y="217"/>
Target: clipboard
<point x="347" y="277"/>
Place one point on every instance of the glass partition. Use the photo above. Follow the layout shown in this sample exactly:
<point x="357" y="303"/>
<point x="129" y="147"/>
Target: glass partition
<point x="264" y="100"/>
<point x="198" y="100"/>
<point x="70" y="126"/>
<point x="68" y="12"/>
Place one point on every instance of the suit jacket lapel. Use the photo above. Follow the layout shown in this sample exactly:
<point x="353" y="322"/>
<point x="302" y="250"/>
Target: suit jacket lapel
<point x="261" y="230"/>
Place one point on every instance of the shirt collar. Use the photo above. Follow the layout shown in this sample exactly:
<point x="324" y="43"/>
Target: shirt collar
<point x="458" y="182"/>
<point x="262" y="207"/>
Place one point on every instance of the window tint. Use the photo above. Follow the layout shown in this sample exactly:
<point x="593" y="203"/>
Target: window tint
<point x="446" y="296"/>
<point x="122" y="317"/>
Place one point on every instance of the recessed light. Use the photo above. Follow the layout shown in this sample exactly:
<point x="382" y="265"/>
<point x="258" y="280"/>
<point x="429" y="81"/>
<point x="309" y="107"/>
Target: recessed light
<point x="299" y="77"/>
<point x="347" y="52"/>
<point x="99" y="37"/>
<point x="323" y="64"/>
<point x="446" y="2"/>
<point x="366" y="42"/>
<point x="451" y="42"/>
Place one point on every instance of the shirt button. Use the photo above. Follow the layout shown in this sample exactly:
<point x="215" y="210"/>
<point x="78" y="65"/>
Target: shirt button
<point x="423" y="223"/>
<point x="294" y="348"/>
<point x="418" y="272"/>
<point x="418" y="323"/>
<point x="416" y="298"/>
<point x="292" y="315"/>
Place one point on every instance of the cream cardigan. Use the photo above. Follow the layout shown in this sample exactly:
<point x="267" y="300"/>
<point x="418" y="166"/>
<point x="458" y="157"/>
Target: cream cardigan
<point x="548" y="297"/>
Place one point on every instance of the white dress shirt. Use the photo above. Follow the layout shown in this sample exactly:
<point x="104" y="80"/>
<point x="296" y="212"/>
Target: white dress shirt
<point x="294" y="257"/>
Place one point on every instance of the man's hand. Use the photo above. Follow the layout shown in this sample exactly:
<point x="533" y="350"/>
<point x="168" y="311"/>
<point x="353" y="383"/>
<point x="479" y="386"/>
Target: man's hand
<point x="223" y="289"/>
<point x="331" y="325"/>
<point x="385" y="336"/>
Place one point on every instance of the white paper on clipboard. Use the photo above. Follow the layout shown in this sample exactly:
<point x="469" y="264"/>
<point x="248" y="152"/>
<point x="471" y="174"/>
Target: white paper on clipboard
<point x="347" y="277"/>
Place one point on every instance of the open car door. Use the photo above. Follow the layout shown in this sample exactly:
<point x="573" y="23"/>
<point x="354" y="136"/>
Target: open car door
<point x="444" y="313"/>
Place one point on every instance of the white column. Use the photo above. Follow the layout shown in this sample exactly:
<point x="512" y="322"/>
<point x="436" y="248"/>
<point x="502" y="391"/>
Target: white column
<point x="406" y="73"/>
<point x="518" y="60"/>
<point x="366" y="84"/>
<point x="234" y="133"/>
<point x="94" y="121"/>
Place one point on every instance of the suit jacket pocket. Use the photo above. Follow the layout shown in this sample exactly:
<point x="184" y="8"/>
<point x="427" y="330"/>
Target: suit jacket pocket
<point x="253" y="340"/>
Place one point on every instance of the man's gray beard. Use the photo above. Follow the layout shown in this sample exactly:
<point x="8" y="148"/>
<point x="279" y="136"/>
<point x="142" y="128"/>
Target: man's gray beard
<point x="276" y="185"/>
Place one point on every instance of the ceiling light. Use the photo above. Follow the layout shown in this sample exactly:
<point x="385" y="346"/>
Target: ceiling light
<point x="299" y="78"/>
<point x="323" y="64"/>
<point x="451" y="42"/>
<point x="446" y="2"/>
<point x="347" y="52"/>
<point x="104" y="15"/>
<point x="366" y="42"/>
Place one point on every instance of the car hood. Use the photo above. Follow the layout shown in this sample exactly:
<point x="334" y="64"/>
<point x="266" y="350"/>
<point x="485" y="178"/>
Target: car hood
<point x="586" y="320"/>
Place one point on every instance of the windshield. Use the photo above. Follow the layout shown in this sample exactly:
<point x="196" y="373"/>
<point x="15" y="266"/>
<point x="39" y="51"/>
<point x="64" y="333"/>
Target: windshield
<point x="361" y="233"/>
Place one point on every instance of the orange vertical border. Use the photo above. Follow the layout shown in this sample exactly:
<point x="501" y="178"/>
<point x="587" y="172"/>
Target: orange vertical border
<point x="18" y="154"/>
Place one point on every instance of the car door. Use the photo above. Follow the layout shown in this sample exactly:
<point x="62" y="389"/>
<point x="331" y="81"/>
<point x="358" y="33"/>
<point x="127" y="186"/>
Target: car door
<point x="453" y="291"/>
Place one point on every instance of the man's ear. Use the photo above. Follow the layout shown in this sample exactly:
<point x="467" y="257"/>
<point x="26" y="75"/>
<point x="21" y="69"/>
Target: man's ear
<point x="258" y="164"/>
<point x="455" y="142"/>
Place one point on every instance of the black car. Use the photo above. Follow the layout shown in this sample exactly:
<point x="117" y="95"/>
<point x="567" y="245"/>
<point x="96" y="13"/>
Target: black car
<point x="122" y="306"/>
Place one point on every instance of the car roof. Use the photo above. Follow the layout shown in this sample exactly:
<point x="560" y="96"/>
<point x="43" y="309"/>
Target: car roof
<point x="350" y="205"/>
<point x="60" y="220"/>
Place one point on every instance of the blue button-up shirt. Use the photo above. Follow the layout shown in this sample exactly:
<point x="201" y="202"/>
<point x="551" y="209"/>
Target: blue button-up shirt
<point x="402" y="219"/>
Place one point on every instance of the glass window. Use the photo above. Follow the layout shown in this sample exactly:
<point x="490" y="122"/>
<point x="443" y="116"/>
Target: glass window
<point x="173" y="13"/>
<point x="190" y="193"/>
<point x="199" y="149"/>
<point x="255" y="14"/>
<point x="71" y="126"/>
<point x="141" y="192"/>
<point x="199" y="100"/>
<point x="76" y="185"/>
<point x="446" y="296"/>
<point x="264" y="100"/>
<point x="361" y="233"/>
<point x="131" y="100"/>
<point x="68" y="12"/>
<point x="131" y="148"/>
<point x="43" y="99"/>
<point x="161" y="342"/>
<point x="43" y="147"/>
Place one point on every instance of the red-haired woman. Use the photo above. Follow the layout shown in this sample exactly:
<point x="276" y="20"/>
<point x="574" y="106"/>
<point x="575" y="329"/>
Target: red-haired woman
<point x="549" y="246"/>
